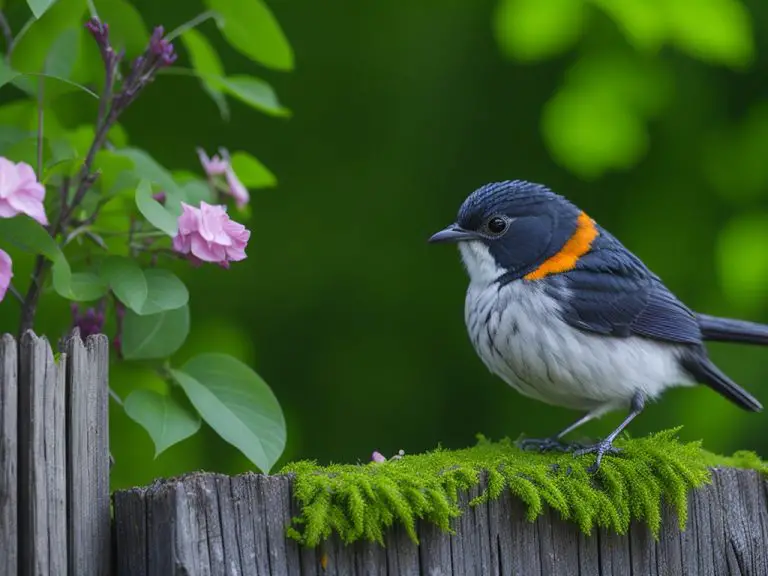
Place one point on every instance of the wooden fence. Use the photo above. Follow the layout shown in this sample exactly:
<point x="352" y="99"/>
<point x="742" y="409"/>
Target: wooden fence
<point x="55" y="507"/>
<point x="54" y="457"/>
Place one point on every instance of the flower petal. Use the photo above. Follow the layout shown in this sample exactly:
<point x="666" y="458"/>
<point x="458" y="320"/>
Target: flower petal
<point x="6" y="273"/>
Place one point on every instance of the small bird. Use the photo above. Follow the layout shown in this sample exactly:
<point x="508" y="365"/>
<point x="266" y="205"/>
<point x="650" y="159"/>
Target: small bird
<point x="561" y="311"/>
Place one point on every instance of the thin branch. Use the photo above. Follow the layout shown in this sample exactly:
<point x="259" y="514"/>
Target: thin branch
<point x="13" y="290"/>
<point x="196" y="21"/>
<point x="7" y="34"/>
<point x="40" y="113"/>
<point x="92" y="9"/>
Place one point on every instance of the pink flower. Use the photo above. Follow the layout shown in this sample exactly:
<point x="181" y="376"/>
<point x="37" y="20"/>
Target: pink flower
<point x="221" y="164"/>
<point x="212" y="166"/>
<point x="20" y="192"/>
<point x="5" y="273"/>
<point x="236" y="188"/>
<point x="207" y="234"/>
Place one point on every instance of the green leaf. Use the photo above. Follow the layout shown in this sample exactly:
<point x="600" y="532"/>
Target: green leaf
<point x="127" y="281"/>
<point x="155" y="213"/>
<point x="717" y="31"/>
<point x="251" y="29"/>
<point x="166" y="420"/>
<point x="86" y="287"/>
<point x="148" y="169"/>
<point x="251" y="172"/>
<point x="29" y="236"/>
<point x="64" y="52"/>
<point x="206" y="62"/>
<point x="643" y="23"/>
<point x="34" y="42"/>
<point x="196" y="191"/>
<point x="165" y="291"/>
<point x="7" y="74"/>
<point x="742" y="266"/>
<point x="237" y="404"/>
<point x="532" y="30"/>
<point x="126" y="27"/>
<point x="39" y="7"/>
<point x="156" y="336"/>
<point x="252" y="91"/>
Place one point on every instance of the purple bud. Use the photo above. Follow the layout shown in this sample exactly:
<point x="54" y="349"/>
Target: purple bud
<point x="90" y="322"/>
<point x="161" y="47"/>
<point x="159" y="196"/>
<point x="99" y="30"/>
<point x="378" y="457"/>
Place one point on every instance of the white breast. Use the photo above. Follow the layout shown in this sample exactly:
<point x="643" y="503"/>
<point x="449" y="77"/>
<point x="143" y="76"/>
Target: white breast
<point x="518" y="333"/>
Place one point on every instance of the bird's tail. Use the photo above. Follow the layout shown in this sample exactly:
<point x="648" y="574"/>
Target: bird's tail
<point x="730" y="330"/>
<point x="703" y="371"/>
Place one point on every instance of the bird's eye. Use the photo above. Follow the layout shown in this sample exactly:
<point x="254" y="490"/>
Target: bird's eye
<point x="497" y="225"/>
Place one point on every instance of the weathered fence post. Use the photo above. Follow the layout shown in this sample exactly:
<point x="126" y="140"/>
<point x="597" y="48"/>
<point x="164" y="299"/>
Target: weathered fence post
<point x="9" y="501"/>
<point x="54" y="458"/>
<point x="212" y="524"/>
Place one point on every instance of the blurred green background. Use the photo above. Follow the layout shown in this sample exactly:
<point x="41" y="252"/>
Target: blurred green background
<point x="651" y="116"/>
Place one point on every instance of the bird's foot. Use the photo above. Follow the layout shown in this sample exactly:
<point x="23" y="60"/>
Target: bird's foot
<point x="543" y="445"/>
<point x="601" y="448"/>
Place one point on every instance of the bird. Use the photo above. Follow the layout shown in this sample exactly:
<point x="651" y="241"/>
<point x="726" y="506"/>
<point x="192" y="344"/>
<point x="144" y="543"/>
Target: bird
<point x="560" y="310"/>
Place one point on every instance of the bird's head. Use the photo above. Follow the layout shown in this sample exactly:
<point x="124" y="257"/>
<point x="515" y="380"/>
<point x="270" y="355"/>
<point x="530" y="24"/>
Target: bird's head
<point x="518" y="229"/>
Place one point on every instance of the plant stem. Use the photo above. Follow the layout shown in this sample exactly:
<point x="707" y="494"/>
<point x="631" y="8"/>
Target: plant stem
<point x="92" y="9"/>
<point x="40" y="114"/>
<point x="196" y="21"/>
<point x="12" y="289"/>
<point x="8" y="35"/>
<point x="104" y="121"/>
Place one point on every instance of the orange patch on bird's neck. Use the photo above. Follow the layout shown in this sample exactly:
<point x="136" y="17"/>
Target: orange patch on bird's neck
<point x="577" y="245"/>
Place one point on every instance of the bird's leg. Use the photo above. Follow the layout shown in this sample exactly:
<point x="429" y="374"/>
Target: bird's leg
<point x="605" y="446"/>
<point x="555" y="442"/>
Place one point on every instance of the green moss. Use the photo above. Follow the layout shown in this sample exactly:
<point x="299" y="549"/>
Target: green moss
<point x="362" y="501"/>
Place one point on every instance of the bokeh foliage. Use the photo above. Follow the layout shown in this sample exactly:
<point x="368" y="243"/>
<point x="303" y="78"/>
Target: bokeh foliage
<point x="650" y="115"/>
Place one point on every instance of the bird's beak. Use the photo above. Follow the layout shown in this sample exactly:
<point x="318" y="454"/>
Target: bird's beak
<point x="453" y="233"/>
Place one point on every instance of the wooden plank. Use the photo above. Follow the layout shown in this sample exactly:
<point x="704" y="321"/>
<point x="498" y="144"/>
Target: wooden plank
<point x="88" y="455"/>
<point x="283" y="552"/>
<point x="205" y="524"/>
<point x="8" y="456"/>
<point x="131" y="532"/>
<point x="41" y="474"/>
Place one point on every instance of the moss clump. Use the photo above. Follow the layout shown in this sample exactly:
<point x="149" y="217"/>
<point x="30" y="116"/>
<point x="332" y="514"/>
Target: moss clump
<point x="362" y="501"/>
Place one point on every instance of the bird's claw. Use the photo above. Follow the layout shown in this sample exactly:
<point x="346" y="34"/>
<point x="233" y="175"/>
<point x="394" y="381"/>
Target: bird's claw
<point x="543" y="445"/>
<point x="601" y="448"/>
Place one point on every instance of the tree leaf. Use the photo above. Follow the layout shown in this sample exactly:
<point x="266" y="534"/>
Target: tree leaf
<point x="252" y="91"/>
<point x="237" y="404"/>
<point x="35" y="41"/>
<point x="39" y="7"/>
<point x="717" y="31"/>
<point x="164" y="292"/>
<point x="86" y="287"/>
<point x="148" y="169"/>
<point x="251" y="172"/>
<point x="531" y="30"/>
<point x="155" y="213"/>
<point x="206" y="61"/>
<point x="7" y="74"/>
<point x="196" y="191"/>
<point x="155" y="336"/>
<point x="29" y="236"/>
<point x="251" y="29"/>
<point x="166" y="420"/>
<point x="126" y="279"/>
